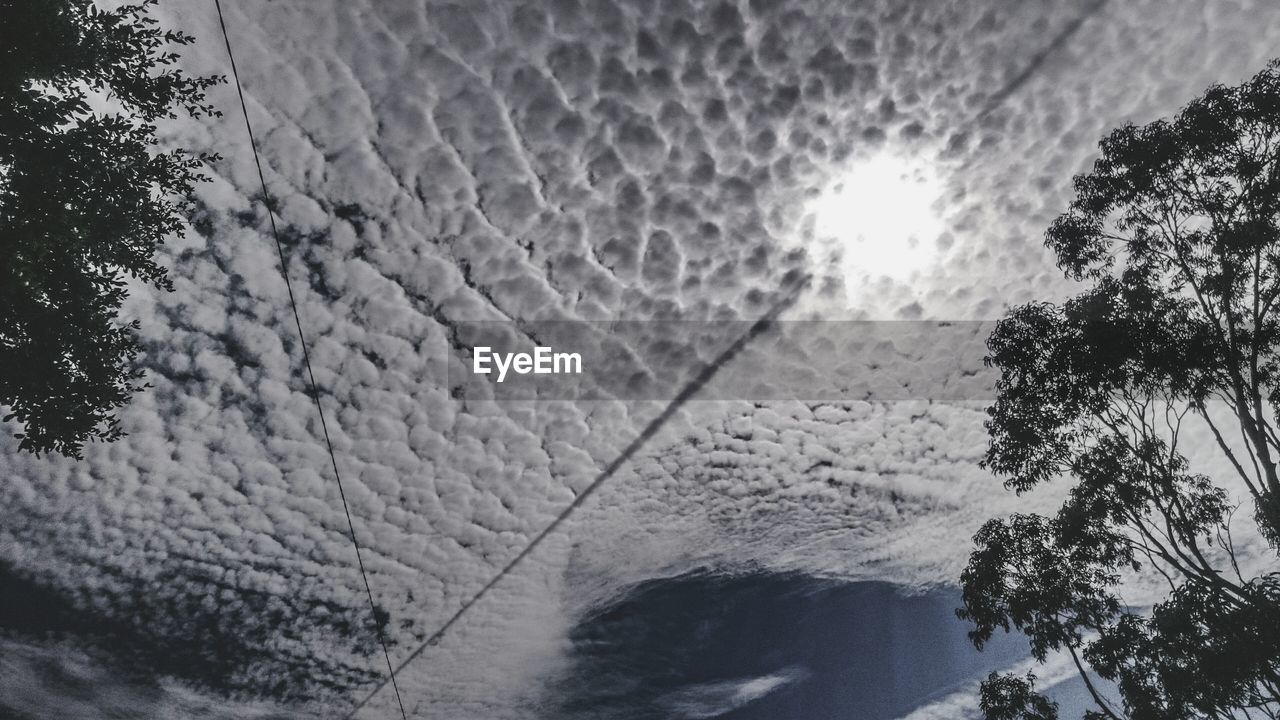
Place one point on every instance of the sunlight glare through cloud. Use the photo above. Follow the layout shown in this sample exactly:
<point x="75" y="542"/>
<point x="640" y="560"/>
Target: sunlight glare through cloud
<point x="883" y="218"/>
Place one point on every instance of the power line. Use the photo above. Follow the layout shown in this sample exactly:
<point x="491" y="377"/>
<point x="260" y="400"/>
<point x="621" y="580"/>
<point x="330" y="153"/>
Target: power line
<point x="629" y="451"/>
<point x="1037" y="61"/>
<point x="688" y="391"/>
<point x="306" y="358"/>
<point x="1011" y="87"/>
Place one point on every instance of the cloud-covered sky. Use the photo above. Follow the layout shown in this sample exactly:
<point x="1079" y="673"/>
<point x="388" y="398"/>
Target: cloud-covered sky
<point x="436" y="163"/>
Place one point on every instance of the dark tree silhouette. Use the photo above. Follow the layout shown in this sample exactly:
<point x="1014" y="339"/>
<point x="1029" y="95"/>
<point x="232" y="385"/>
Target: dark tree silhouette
<point x="1176" y="230"/>
<point x="86" y="197"/>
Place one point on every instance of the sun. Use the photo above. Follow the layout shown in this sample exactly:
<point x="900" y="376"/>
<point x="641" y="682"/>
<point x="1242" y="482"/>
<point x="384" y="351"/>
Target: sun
<point x="882" y="216"/>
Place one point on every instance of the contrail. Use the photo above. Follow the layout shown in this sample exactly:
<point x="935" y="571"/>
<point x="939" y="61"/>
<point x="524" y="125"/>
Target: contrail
<point x="685" y="394"/>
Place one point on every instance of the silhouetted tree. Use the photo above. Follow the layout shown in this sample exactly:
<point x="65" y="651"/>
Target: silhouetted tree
<point x="1009" y="697"/>
<point x="1176" y="230"/>
<point x="86" y="197"/>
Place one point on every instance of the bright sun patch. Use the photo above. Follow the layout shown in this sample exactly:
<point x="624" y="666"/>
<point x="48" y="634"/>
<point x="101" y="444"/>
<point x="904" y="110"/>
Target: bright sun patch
<point x="882" y="215"/>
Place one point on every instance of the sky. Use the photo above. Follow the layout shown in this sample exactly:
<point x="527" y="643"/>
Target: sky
<point x="751" y="646"/>
<point x="435" y="164"/>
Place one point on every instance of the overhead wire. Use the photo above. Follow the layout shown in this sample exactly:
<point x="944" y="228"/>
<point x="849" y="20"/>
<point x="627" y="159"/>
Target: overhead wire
<point x="997" y="98"/>
<point x="686" y="393"/>
<point x="650" y="430"/>
<point x="306" y="359"/>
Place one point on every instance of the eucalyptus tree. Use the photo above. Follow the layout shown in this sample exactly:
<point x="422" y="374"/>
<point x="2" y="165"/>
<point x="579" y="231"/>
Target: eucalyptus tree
<point x="1175" y="234"/>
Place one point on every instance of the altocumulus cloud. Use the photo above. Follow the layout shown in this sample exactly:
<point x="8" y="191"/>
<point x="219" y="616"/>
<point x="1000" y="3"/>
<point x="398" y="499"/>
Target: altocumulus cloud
<point x="436" y="163"/>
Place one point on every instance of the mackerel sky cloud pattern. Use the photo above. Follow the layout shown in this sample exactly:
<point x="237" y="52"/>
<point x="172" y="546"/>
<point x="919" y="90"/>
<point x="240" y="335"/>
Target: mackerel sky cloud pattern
<point x="437" y="164"/>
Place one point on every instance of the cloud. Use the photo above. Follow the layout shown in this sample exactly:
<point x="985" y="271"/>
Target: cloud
<point x="963" y="703"/>
<point x="44" y="679"/>
<point x="713" y="699"/>
<point x="442" y="162"/>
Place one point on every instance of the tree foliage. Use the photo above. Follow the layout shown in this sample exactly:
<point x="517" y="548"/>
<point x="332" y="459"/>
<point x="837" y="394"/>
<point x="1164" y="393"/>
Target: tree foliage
<point x="86" y="198"/>
<point x="1009" y="697"/>
<point x="1176" y="232"/>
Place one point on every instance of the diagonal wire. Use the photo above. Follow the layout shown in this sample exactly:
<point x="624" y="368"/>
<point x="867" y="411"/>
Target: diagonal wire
<point x="1037" y="61"/>
<point x="306" y="358"/>
<point x="686" y="393"/>
<point x="649" y="431"/>
<point x="1034" y="66"/>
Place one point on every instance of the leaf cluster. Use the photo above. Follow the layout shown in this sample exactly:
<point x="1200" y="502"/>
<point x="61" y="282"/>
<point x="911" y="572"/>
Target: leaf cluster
<point x="86" y="197"/>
